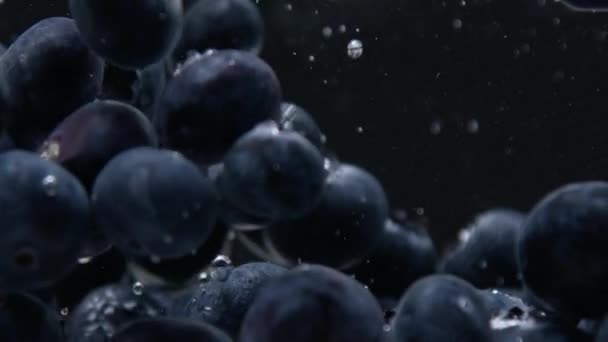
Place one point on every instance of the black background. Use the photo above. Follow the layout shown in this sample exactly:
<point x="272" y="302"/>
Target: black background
<point x="532" y="74"/>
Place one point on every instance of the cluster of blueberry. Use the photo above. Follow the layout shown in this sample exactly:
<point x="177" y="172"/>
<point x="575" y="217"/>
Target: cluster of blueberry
<point x="118" y="202"/>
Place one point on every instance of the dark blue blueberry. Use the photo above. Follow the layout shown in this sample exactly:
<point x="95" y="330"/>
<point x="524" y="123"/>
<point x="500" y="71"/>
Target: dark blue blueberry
<point x="45" y="221"/>
<point x="562" y="250"/>
<point x="184" y="268"/>
<point x="130" y="34"/>
<point x="107" y="309"/>
<point x="154" y="203"/>
<point x="404" y="254"/>
<point x="295" y="118"/>
<point x="45" y="75"/>
<point x="221" y="24"/>
<point x="213" y="99"/>
<point x="166" y="329"/>
<point x="485" y="256"/>
<point x="441" y="308"/>
<point x="24" y="318"/>
<point x="224" y="301"/>
<point x="310" y="304"/>
<point x="342" y="229"/>
<point x="90" y="137"/>
<point x="272" y="174"/>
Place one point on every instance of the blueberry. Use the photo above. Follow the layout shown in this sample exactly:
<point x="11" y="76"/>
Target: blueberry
<point x="48" y="220"/>
<point x="221" y="24"/>
<point x="167" y="207"/>
<point x="295" y="118"/>
<point x="342" y="229"/>
<point x="486" y="254"/>
<point x="90" y="137"/>
<point x="166" y="329"/>
<point x="214" y="99"/>
<point x="24" y="318"/>
<point x="441" y="308"/>
<point x="106" y="309"/>
<point x="272" y="174"/>
<point x="46" y="74"/>
<point x="404" y="254"/>
<point x="184" y="268"/>
<point x="562" y="250"/>
<point x="313" y="303"/>
<point x="224" y="301"/>
<point x="130" y="34"/>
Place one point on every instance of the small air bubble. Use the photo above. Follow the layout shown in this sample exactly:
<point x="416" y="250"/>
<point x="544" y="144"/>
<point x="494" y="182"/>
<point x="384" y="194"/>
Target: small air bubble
<point x="327" y="32"/>
<point x="483" y="264"/>
<point x="435" y="127"/>
<point x="85" y="260"/>
<point x="138" y="288"/>
<point x="386" y="328"/>
<point x="49" y="183"/>
<point x="457" y="24"/>
<point x="221" y="261"/>
<point x="473" y="126"/>
<point x="359" y="129"/>
<point x="342" y="28"/>
<point x="65" y="311"/>
<point x="354" y="49"/>
<point x="288" y="7"/>
<point x="203" y="277"/>
<point x="311" y="58"/>
<point x="207" y="308"/>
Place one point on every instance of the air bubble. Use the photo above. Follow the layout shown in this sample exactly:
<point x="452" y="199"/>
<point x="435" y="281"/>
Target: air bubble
<point x="49" y="183"/>
<point x="473" y="126"/>
<point x="327" y="32"/>
<point x="64" y="311"/>
<point x="354" y="49"/>
<point x="207" y="308"/>
<point x="129" y="306"/>
<point x="435" y="127"/>
<point x="221" y="261"/>
<point x="84" y="260"/>
<point x="483" y="264"/>
<point x="203" y="277"/>
<point x="138" y="288"/>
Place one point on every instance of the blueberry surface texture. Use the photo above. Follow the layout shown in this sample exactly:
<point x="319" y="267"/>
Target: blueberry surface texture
<point x="272" y="174"/>
<point x="441" y="308"/>
<point x="221" y="24"/>
<point x="212" y="100"/>
<point x="562" y="250"/>
<point x="46" y="218"/>
<point x="105" y="310"/>
<point x="486" y="254"/>
<point x="343" y="228"/>
<point x="46" y="74"/>
<point x="313" y="303"/>
<point x="224" y="296"/>
<point x="154" y="203"/>
<point x="130" y="34"/>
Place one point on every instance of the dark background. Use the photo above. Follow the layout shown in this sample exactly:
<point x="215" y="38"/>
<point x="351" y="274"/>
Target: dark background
<point x="530" y="73"/>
